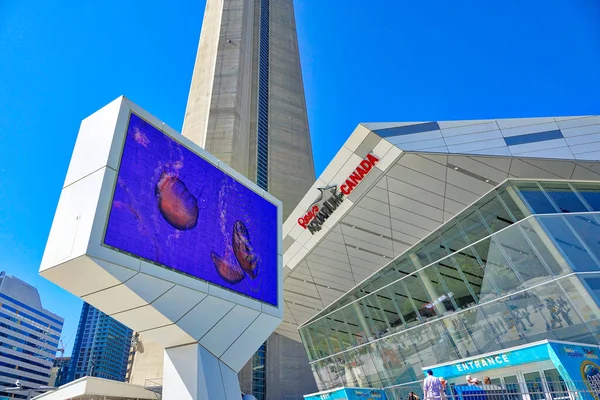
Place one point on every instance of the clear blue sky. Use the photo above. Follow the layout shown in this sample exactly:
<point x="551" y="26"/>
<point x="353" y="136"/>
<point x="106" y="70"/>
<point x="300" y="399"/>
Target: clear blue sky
<point x="378" y="61"/>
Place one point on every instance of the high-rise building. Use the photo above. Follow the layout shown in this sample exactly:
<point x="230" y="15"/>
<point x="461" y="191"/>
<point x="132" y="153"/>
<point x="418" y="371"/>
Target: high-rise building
<point x="59" y="372"/>
<point x="101" y="347"/>
<point x="247" y="107"/>
<point x="29" y="336"/>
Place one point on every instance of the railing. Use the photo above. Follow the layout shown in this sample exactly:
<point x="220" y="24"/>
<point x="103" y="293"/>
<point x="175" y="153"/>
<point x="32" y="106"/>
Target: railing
<point x="154" y="385"/>
<point x="533" y="390"/>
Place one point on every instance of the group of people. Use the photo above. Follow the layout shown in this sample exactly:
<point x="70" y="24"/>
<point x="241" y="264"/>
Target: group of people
<point x="434" y="388"/>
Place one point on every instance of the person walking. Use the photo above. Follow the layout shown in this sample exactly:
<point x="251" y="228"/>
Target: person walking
<point x="432" y="387"/>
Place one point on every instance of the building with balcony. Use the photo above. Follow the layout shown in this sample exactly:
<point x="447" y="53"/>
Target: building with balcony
<point x="101" y="347"/>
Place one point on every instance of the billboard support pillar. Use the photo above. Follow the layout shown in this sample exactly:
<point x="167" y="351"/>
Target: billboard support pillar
<point x="192" y="373"/>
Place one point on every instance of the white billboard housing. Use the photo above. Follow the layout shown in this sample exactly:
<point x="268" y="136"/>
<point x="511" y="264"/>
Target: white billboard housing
<point x="165" y="238"/>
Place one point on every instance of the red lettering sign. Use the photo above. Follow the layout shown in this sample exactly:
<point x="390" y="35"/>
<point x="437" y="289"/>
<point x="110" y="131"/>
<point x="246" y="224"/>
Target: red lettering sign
<point x="355" y="177"/>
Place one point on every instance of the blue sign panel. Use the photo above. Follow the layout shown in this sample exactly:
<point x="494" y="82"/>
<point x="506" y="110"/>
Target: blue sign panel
<point x="506" y="359"/>
<point x="578" y="363"/>
<point x="349" y="394"/>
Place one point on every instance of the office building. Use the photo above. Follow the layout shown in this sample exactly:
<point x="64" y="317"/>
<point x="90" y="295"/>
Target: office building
<point x="59" y="372"/>
<point x="29" y="336"/>
<point x="441" y="244"/>
<point x="101" y="347"/>
<point x="247" y="107"/>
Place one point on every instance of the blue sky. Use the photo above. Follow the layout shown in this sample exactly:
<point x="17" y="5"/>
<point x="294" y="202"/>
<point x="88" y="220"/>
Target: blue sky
<point x="383" y="61"/>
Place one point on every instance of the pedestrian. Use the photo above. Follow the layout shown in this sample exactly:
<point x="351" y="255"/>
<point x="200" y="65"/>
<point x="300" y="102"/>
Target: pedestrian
<point x="432" y="387"/>
<point x="472" y="381"/>
<point x="413" y="396"/>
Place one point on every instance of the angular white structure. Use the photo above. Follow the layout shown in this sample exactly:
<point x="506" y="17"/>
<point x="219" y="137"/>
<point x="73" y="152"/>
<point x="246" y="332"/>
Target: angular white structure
<point x="200" y="273"/>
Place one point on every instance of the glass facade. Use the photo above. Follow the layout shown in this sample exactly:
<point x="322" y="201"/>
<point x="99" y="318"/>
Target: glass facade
<point x="259" y="373"/>
<point x="520" y="265"/>
<point x="101" y="347"/>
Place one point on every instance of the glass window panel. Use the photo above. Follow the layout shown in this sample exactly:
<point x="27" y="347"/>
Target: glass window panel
<point x="590" y="192"/>
<point x="509" y="333"/>
<point x="420" y="338"/>
<point x="381" y="371"/>
<point x="390" y="353"/>
<point x="494" y="214"/>
<point x="588" y="229"/>
<point x="408" y="353"/>
<point x="379" y="320"/>
<point x="570" y="246"/>
<point x="582" y="295"/>
<point x="473" y="227"/>
<point x="434" y="248"/>
<point x="523" y="259"/>
<point x="443" y="346"/>
<point x="566" y="200"/>
<point x="536" y="199"/>
<point x="337" y="370"/>
<point x="458" y="290"/>
<point x="404" y="303"/>
<point x="335" y="338"/>
<point x="421" y="260"/>
<point x="363" y="311"/>
<point x="526" y="315"/>
<point x="390" y="310"/>
<point x="461" y="337"/>
<point x="322" y="333"/>
<point x="453" y="238"/>
<point x="361" y="366"/>
<point x="498" y="272"/>
<point x="343" y="335"/>
<point x="307" y="343"/>
<point x="561" y="316"/>
<point x="556" y="384"/>
<point x="535" y="388"/>
<point x="471" y="269"/>
<point x="484" y="333"/>
<point x="355" y="330"/>
<point x="546" y="249"/>
<point x="513" y="202"/>
<point x="442" y="301"/>
<point x="419" y="295"/>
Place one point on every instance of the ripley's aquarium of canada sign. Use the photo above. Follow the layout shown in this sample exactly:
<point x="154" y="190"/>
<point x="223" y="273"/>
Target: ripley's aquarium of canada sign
<point x="330" y="198"/>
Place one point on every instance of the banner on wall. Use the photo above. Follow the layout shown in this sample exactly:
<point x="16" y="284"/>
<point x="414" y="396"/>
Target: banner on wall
<point x="577" y="363"/>
<point x="349" y="394"/>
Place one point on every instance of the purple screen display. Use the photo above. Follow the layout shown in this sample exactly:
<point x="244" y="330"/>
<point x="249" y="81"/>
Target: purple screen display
<point x="173" y="208"/>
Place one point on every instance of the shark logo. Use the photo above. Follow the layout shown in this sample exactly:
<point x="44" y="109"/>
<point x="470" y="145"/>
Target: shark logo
<point x="330" y="198"/>
<point x="327" y="202"/>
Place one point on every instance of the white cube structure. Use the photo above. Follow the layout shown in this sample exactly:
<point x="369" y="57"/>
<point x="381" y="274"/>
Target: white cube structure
<point x="163" y="237"/>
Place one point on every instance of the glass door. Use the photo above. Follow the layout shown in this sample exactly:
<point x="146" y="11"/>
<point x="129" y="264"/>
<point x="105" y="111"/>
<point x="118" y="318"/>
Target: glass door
<point x="557" y="387"/>
<point x="534" y="385"/>
<point x="511" y="385"/>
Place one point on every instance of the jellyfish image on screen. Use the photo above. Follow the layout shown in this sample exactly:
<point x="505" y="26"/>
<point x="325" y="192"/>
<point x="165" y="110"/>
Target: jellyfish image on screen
<point x="229" y="271"/>
<point x="173" y="208"/>
<point x="175" y="202"/>
<point x="245" y="260"/>
<point x="244" y="252"/>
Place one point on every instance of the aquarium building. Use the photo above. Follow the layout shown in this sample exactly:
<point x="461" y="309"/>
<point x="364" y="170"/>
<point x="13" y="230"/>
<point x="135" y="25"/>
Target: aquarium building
<point x="441" y="244"/>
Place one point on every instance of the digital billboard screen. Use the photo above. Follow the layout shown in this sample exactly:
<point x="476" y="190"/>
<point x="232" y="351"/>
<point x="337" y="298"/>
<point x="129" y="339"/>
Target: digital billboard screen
<point x="171" y="207"/>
